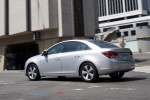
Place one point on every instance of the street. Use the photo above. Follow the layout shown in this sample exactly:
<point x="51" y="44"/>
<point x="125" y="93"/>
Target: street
<point x="133" y="86"/>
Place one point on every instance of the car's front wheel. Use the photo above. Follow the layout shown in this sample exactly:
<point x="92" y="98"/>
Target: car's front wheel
<point x="88" y="72"/>
<point x="116" y="75"/>
<point x="33" y="72"/>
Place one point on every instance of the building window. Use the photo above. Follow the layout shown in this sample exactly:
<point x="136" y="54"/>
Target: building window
<point x="142" y="24"/>
<point x="126" y="33"/>
<point x="133" y="32"/>
<point x="118" y="34"/>
<point x="126" y="26"/>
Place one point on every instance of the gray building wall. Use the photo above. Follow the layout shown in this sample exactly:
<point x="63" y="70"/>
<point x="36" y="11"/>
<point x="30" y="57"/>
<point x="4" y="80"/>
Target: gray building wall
<point x="144" y="44"/>
<point x="90" y="19"/>
<point x="39" y="14"/>
<point x="2" y="17"/>
<point x="53" y="13"/>
<point x="66" y="19"/>
<point x="17" y="16"/>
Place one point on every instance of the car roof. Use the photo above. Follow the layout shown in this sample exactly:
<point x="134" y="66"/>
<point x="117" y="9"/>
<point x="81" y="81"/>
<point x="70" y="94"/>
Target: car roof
<point x="85" y="40"/>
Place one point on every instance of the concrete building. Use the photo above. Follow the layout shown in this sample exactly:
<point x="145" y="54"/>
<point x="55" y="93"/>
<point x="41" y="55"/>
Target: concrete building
<point x="131" y="19"/>
<point x="27" y="27"/>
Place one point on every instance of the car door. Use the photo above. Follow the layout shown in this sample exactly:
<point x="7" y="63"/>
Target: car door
<point x="52" y="62"/>
<point x="71" y="58"/>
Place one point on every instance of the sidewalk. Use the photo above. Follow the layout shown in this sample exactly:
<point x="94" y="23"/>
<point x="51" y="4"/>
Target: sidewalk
<point x="12" y="71"/>
<point x="145" y="69"/>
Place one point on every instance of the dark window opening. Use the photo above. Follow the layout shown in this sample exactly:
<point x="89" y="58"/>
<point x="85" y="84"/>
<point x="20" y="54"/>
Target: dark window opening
<point x="126" y="33"/>
<point x="17" y="55"/>
<point x="117" y="19"/>
<point x="78" y="18"/>
<point x="130" y="17"/>
<point x="142" y="24"/>
<point x="118" y="34"/>
<point x="105" y="21"/>
<point x="6" y="17"/>
<point x="133" y="32"/>
<point x="125" y="26"/>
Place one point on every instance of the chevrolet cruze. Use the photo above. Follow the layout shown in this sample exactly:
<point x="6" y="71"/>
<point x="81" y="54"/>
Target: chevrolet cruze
<point x="87" y="59"/>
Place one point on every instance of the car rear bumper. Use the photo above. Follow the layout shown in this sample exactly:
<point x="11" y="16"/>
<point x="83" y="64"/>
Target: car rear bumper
<point x="117" y="66"/>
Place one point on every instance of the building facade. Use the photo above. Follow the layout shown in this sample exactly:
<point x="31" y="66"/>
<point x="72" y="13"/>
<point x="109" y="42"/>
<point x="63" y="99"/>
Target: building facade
<point x="27" y="27"/>
<point x="131" y="19"/>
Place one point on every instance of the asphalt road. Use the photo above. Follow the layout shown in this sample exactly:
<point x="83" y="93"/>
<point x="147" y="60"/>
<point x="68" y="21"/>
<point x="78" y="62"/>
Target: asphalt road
<point x="133" y="86"/>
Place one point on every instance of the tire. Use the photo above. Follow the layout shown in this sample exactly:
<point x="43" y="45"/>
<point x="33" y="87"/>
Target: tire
<point x="88" y="72"/>
<point x="33" y="72"/>
<point x="117" y="75"/>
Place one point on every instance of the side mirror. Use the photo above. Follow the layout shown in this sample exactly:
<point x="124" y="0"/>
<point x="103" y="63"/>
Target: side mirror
<point x="44" y="53"/>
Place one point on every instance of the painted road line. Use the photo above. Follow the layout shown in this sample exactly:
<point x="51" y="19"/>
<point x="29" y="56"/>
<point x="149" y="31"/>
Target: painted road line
<point x="94" y="86"/>
<point x="127" y="89"/>
<point x="78" y="89"/>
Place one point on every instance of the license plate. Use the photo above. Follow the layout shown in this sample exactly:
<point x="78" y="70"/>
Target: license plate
<point x="124" y="56"/>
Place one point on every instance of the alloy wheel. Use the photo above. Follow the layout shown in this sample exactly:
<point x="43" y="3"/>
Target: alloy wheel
<point x="88" y="72"/>
<point x="33" y="73"/>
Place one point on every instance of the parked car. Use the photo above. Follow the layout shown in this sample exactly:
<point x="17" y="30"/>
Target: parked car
<point x="87" y="59"/>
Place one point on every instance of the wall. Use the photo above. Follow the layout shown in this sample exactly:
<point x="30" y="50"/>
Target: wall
<point x="66" y="19"/>
<point x="2" y="17"/>
<point x="53" y="13"/>
<point x="144" y="44"/>
<point x="39" y="14"/>
<point x="17" y="16"/>
<point x="90" y="18"/>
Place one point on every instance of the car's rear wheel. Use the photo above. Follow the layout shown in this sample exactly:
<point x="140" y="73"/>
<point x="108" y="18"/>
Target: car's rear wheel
<point x="88" y="72"/>
<point x="33" y="72"/>
<point x="117" y="75"/>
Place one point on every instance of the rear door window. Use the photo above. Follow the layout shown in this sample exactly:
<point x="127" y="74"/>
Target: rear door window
<point x="76" y="46"/>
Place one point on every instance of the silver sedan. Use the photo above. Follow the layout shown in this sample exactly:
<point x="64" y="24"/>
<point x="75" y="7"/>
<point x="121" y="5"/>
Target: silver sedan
<point x="87" y="59"/>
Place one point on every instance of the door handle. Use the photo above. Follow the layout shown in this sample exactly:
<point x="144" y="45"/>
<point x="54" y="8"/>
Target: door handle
<point x="57" y="58"/>
<point x="77" y="56"/>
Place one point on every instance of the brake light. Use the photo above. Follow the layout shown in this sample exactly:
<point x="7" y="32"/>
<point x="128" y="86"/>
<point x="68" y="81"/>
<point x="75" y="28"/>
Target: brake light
<point x="110" y="54"/>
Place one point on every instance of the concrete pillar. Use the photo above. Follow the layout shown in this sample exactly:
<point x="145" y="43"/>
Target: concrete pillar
<point x="107" y="13"/>
<point x="41" y="46"/>
<point x="140" y="5"/>
<point x="2" y="57"/>
<point x="124" y="9"/>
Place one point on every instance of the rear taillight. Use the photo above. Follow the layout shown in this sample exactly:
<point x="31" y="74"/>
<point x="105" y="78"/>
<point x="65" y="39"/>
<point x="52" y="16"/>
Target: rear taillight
<point x="110" y="54"/>
<point x="131" y="54"/>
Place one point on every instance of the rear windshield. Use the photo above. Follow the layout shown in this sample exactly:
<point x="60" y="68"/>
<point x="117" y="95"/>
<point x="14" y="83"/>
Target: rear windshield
<point x="102" y="44"/>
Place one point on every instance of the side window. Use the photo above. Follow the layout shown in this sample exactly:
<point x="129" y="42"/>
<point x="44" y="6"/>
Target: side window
<point x="76" y="46"/>
<point x="83" y="47"/>
<point x="57" y="48"/>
